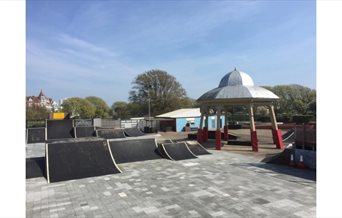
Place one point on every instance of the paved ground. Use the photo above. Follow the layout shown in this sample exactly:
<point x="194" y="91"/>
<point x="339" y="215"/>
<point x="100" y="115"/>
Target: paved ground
<point x="223" y="184"/>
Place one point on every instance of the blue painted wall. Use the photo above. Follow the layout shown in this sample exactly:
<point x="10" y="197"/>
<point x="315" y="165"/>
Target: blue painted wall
<point x="181" y="122"/>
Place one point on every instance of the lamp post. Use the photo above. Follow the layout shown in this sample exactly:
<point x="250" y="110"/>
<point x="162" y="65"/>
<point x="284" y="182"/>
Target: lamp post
<point x="149" y="107"/>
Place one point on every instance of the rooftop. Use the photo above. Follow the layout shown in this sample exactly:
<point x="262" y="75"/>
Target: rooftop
<point x="184" y="112"/>
<point x="237" y="85"/>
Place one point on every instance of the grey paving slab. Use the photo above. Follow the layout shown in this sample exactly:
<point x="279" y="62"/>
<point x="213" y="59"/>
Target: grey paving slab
<point x="35" y="150"/>
<point x="219" y="185"/>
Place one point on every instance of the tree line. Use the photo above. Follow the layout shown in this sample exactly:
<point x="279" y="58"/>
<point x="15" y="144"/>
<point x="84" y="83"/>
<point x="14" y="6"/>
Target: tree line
<point x="158" y="92"/>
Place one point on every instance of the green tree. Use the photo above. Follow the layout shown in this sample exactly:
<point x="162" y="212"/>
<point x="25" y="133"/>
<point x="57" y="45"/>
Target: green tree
<point x="101" y="108"/>
<point x="312" y="108"/>
<point x="37" y="113"/>
<point x="79" y="107"/>
<point x="293" y="100"/>
<point x="120" y="110"/>
<point x="163" y="91"/>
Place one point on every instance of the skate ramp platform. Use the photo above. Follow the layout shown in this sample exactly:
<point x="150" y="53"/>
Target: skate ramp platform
<point x="133" y="132"/>
<point x="59" y="129"/>
<point x="77" y="159"/>
<point x="35" y="167"/>
<point x="110" y="133"/>
<point x="178" y="151"/>
<point x="132" y="150"/>
<point x="81" y="132"/>
<point x="35" y="135"/>
<point x="211" y="135"/>
<point x="196" y="148"/>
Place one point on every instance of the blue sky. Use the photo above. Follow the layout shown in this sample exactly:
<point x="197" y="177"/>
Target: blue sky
<point x="83" y="48"/>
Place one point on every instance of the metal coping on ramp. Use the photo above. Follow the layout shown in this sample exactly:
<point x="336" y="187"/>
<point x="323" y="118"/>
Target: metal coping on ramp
<point x="110" y="133"/>
<point x="35" y="135"/>
<point x="197" y="148"/>
<point x="178" y="151"/>
<point x="79" y="159"/>
<point x="59" y="129"/>
<point x="132" y="150"/>
<point x="86" y="131"/>
<point x="133" y="132"/>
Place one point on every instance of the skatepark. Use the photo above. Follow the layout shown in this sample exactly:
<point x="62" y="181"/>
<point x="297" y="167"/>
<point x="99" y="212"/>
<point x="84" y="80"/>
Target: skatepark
<point x="75" y="168"/>
<point x="158" y="175"/>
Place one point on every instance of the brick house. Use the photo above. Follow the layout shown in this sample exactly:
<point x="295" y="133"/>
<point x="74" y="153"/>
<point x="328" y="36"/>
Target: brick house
<point x="39" y="101"/>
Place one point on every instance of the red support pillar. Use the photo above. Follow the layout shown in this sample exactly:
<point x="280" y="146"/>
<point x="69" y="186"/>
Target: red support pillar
<point x="205" y="134"/>
<point x="276" y="132"/>
<point x="200" y="135"/>
<point x="278" y="138"/>
<point x="218" y="139"/>
<point x="254" y="141"/>
<point x="225" y="133"/>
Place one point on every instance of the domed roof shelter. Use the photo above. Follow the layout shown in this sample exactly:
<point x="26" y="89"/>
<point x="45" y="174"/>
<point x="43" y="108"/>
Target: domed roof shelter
<point x="236" y="88"/>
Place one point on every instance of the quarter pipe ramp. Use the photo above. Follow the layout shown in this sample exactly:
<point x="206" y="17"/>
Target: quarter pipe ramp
<point x="178" y="151"/>
<point x="131" y="150"/>
<point x="79" y="159"/>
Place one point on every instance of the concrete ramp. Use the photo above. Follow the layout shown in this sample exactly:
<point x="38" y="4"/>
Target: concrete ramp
<point x="79" y="159"/>
<point x="35" y="135"/>
<point x="110" y="133"/>
<point x="81" y="132"/>
<point x="133" y="132"/>
<point x="59" y="129"/>
<point x="131" y="150"/>
<point x="178" y="151"/>
<point x="196" y="148"/>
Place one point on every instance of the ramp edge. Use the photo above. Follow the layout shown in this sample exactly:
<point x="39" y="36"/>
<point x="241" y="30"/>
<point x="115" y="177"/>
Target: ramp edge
<point x="166" y="152"/>
<point x="111" y="155"/>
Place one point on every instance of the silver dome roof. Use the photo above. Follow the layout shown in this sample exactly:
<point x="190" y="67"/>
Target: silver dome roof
<point x="237" y="85"/>
<point x="236" y="78"/>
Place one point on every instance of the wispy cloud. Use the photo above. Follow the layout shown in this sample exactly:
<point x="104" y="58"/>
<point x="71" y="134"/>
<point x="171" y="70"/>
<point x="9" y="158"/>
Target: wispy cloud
<point x="78" y="65"/>
<point x="82" y="45"/>
<point x="101" y="46"/>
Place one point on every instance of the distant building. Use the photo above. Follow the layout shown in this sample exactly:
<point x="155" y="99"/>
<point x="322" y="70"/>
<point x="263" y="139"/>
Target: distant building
<point x="179" y="119"/>
<point x="39" y="101"/>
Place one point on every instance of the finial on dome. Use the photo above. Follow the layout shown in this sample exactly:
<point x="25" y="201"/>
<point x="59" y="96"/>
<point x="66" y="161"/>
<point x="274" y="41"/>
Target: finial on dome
<point x="235" y="69"/>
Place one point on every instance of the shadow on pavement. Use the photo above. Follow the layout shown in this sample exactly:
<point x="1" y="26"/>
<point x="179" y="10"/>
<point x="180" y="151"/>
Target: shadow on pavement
<point x="280" y="170"/>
